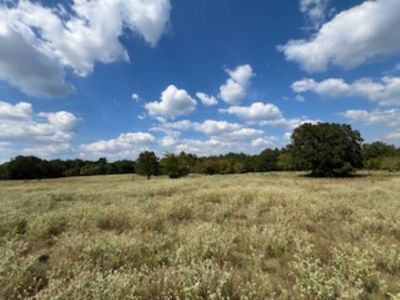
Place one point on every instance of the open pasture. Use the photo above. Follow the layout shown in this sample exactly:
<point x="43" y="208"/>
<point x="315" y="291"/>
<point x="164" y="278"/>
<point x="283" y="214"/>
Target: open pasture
<point x="253" y="236"/>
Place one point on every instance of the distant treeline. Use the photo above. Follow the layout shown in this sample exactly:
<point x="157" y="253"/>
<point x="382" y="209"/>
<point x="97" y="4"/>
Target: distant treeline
<point x="376" y="156"/>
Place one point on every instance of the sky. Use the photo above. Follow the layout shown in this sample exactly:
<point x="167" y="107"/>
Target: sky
<point x="111" y="78"/>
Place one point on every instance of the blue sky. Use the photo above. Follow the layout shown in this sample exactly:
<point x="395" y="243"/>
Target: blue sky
<point x="115" y="77"/>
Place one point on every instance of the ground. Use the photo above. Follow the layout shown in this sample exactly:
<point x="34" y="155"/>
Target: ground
<point x="273" y="235"/>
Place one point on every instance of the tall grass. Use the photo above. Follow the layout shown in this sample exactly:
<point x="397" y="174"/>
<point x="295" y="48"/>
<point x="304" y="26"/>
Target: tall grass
<point x="254" y="236"/>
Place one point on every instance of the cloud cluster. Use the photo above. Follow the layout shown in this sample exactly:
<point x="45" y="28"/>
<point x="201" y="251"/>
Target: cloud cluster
<point x="125" y="145"/>
<point x="235" y="88"/>
<point x="221" y="137"/>
<point x="384" y="92"/>
<point x="389" y="117"/>
<point x="174" y="102"/>
<point x="256" y="112"/>
<point x="39" y="133"/>
<point x="351" y="38"/>
<point x="47" y="40"/>
<point x="315" y="11"/>
<point x="212" y="128"/>
<point x="206" y="99"/>
<point x="265" y="114"/>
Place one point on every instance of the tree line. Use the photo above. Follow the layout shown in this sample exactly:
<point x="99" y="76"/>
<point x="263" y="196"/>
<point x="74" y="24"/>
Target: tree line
<point x="325" y="149"/>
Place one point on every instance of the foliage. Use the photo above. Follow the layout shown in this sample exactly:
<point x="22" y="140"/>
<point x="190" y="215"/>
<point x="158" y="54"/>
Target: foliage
<point x="147" y="164"/>
<point x="174" y="166"/>
<point x="327" y="149"/>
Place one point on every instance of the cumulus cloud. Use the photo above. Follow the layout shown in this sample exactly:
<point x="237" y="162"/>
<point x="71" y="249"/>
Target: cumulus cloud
<point x="47" y="40"/>
<point x="174" y="102"/>
<point x="206" y="147"/>
<point x="212" y="128"/>
<point x="235" y="88"/>
<point x="216" y="146"/>
<point x="206" y="99"/>
<point x="221" y="137"/>
<point x="315" y="11"/>
<point x="126" y="145"/>
<point x="389" y="117"/>
<point x="351" y="38"/>
<point x="21" y="110"/>
<point x="265" y="114"/>
<point x="23" y="66"/>
<point x="384" y="92"/>
<point x="263" y="142"/>
<point x="40" y="133"/>
<point x="48" y="150"/>
<point x="393" y="136"/>
<point x="256" y="112"/>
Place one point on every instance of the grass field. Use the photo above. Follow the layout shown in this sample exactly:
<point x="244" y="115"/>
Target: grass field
<point x="257" y="236"/>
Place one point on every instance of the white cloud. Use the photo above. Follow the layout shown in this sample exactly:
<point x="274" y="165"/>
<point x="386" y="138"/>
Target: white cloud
<point x="21" y="110"/>
<point x="389" y="117"/>
<point x="208" y="147"/>
<point x="124" y="146"/>
<point x="206" y="99"/>
<point x="216" y="145"/>
<point x="174" y="102"/>
<point x="393" y="136"/>
<point x="221" y="137"/>
<point x="46" y="40"/>
<point x="212" y="128"/>
<point x="168" y="141"/>
<point x="235" y="88"/>
<point x="315" y="11"/>
<point x="351" y="38"/>
<point x="47" y="150"/>
<point x="33" y="72"/>
<point x="136" y="97"/>
<point x="265" y="114"/>
<point x="263" y="142"/>
<point x="40" y="133"/>
<point x="256" y="112"/>
<point x="384" y="92"/>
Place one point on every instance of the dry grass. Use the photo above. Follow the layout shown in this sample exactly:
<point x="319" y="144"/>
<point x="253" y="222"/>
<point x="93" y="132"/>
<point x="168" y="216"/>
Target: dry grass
<point x="258" y="236"/>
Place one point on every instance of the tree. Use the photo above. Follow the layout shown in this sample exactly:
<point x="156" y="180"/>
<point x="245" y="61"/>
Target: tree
<point x="327" y="149"/>
<point x="26" y="167"/>
<point x="147" y="164"/>
<point x="174" y="166"/>
<point x="267" y="160"/>
<point x="285" y="161"/>
<point x="374" y="154"/>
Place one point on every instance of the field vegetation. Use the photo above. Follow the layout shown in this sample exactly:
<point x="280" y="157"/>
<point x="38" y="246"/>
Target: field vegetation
<point x="245" y="236"/>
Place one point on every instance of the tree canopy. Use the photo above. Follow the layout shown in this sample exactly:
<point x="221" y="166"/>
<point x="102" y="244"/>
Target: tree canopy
<point x="327" y="149"/>
<point x="148" y="164"/>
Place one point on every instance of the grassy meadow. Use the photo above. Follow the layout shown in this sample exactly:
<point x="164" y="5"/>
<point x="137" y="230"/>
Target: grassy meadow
<point x="253" y="236"/>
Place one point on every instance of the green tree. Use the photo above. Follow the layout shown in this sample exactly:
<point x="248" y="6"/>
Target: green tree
<point x="267" y="160"/>
<point x="147" y="164"/>
<point x="375" y="153"/>
<point x="285" y="161"/>
<point x="327" y="149"/>
<point x="174" y="166"/>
